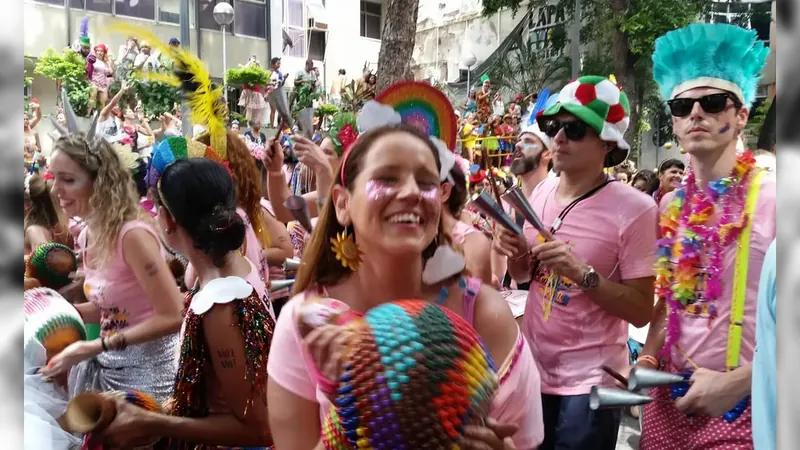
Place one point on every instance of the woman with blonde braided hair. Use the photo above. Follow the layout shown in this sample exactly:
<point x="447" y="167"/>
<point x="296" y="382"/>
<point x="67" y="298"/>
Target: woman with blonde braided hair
<point x="130" y="289"/>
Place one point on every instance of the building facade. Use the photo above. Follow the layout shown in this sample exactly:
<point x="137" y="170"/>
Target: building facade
<point x="295" y="30"/>
<point x="450" y="30"/>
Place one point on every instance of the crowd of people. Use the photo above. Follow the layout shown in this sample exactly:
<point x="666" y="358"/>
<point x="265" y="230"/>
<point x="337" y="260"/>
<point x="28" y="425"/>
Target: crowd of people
<point x="226" y="271"/>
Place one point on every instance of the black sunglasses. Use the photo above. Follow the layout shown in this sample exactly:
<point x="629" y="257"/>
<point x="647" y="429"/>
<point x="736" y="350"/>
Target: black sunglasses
<point x="574" y="130"/>
<point x="712" y="104"/>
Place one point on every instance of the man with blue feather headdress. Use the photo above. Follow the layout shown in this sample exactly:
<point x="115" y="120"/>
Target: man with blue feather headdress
<point x="715" y="229"/>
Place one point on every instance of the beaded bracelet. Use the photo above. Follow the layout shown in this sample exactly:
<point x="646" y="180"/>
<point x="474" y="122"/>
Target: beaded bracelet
<point x="117" y="342"/>
<point x="647" y="358"/>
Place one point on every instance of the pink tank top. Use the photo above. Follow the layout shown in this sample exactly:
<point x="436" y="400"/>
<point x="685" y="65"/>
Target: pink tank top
<point x="461" y="230"/>
<point x="114" y="289"/>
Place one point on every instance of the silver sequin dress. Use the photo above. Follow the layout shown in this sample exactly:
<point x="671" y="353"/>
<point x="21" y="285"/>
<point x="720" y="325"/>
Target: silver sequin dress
<point x="149" y="367"/>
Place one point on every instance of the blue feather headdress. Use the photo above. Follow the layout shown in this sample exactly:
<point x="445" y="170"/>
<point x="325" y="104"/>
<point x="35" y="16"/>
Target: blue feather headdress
<point x="529" y="124"/>
<point x="720" y="56"/>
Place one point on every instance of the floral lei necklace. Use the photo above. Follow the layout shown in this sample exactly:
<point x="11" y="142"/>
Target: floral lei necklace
<point x="690" y="238"/>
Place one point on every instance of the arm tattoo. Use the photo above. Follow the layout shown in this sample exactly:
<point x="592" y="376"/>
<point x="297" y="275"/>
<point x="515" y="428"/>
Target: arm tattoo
<point x="151" y="269"/>
<point x="227" y="358"/>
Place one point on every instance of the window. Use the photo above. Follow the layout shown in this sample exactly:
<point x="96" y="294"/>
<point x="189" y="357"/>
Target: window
<point x="142" y="9"/>
<point x="755" y="16"/>
<point x="250" y="18"/>
<point x="54" y="2"/>
<point x="101" y="6"/>
<point x="316" y="47"/>
<point x="207" y="14"/>
<point x="720" y="18"/>
<point x="293" y="18"/>
<point x="169" y="11"/>
<point x="294" y="13"/>
<point x="79" y="4"/>
<point x="298" y="48"/>
<point x="371" y="13"/>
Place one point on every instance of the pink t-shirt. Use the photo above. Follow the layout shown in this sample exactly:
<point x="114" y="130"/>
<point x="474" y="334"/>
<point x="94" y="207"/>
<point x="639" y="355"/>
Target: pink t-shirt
<point x="614" y="231"/>
<point x="704" y="341"/>
<point x="114" y="289"/>
<point x="517" y="400"/>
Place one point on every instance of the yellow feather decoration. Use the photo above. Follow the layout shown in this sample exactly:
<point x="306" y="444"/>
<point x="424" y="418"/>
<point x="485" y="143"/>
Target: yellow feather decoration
<point x="204" y="99"/>
<point x="159" y="77"/>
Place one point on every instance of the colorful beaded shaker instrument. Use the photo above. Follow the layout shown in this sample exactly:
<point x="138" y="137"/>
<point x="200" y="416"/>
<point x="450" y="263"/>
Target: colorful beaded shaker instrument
<point x="51" y="321"/>
<point x="413" y="376"/>
<point x="50" y="264"/>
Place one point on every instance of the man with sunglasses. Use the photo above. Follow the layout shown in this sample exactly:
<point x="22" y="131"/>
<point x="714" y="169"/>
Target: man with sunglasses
<point x="715" y="229"/>
<point x="594" y="273"/>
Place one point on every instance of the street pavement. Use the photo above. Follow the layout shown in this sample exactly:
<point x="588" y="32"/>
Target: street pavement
<point x="628" y="433"/>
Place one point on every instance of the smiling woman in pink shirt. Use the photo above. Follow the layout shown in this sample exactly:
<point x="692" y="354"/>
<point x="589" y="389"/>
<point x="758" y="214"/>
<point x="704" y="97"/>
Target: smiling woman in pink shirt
<point x="391" y="169"/>
<point x="130" y="288"/>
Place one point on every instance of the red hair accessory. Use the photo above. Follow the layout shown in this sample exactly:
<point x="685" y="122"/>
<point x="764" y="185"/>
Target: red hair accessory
<point x="342" y="164"/>
<point x="347" y="137"/>
<point x="48" y="175"/>
<point x="101" y="47"/>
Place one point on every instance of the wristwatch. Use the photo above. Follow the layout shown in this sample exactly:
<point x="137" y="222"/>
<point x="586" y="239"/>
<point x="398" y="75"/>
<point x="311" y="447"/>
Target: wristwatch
<point x="590" y="279"/>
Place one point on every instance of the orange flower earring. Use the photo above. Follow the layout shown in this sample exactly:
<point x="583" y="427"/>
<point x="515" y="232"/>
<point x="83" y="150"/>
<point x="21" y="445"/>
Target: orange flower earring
<point x="346" y="250"/>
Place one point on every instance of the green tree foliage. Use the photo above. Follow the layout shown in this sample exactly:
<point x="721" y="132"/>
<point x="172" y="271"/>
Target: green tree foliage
<point x="247" y="76"/>
<point x="618" y="37"/>
<point x="303" y="97"/>
<point x="753" y="129"/>
<point x="354" y="95"/>
<point x="525" y="69"/>
<point x="157" y="98"/>
<point x="68" y="68"/>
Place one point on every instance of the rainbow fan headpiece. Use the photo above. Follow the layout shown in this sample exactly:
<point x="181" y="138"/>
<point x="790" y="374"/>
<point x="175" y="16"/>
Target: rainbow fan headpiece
<point x="411" y="362"/>
<point x="173" y="149"/>
<point x="419" y="105"/>
<point x="720" y="56"/>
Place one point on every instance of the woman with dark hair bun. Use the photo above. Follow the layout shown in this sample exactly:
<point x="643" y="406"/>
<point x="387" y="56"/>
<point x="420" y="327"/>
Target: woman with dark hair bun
<point x="219" y="398"/>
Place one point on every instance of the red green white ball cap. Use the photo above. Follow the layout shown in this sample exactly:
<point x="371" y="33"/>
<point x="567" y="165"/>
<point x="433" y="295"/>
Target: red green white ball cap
<point x="601" y="104"/>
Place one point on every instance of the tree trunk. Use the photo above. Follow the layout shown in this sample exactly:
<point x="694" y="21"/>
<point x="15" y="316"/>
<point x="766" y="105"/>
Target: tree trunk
<point x="397" y="42"/>
<point x="625" y="71"/>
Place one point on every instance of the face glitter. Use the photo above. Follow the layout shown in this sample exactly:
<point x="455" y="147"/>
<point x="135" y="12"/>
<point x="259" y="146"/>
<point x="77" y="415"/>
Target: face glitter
<point x="725" y="129"/>
<point x="377" y="190"/>
<point x="431" y="195"/>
